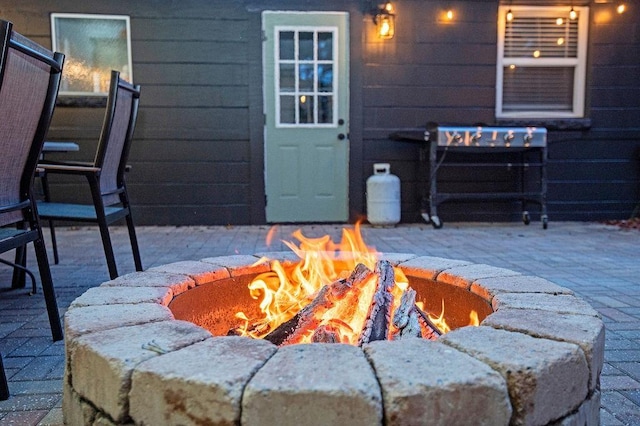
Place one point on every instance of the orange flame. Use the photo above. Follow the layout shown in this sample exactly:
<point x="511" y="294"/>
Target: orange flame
<point x="289" y="287"/>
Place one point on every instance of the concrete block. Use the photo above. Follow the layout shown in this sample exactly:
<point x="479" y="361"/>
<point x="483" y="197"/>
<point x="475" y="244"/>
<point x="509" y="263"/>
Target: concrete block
<point x="313" y="384"/>
<point x="177" y="282"/>
<point x="200" y="272"/>
<point x="199" y="384"/>
<point x="123" y="295"/>
<point x="463" y="276"/>
<point x="75" y="411"/>
<point x="585" y="331"/>
<point x="426" y="382"/>
<point x="429" y="266"/>
<point x="240" y="264"/>
<point x="88" y="319"/>
<point x="397" y="258"/>
<point x="102" y="362"/>
<point x="559" y="303"/>
<point x="489" y="287"/>
<point x="547" y="379"/>
<point x="588" y="414"/>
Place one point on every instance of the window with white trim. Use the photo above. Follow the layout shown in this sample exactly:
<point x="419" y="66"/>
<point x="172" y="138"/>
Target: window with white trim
<point x="541" y="65"/>
<point x="93" y="46"/>
<point x="305" y="81"/>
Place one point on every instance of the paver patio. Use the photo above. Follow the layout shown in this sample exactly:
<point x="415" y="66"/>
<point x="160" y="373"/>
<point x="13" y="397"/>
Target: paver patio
<point x="601" y="263"/>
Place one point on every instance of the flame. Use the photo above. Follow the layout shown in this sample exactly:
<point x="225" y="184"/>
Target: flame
<point x="290" y="286"/>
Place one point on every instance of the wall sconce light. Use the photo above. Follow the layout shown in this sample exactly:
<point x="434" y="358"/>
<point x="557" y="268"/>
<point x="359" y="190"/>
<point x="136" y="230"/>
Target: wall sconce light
<point x="385" y="20"/>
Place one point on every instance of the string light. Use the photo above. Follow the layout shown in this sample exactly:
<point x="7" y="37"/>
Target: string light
<point x="509" y="15"/>
<point x="621" y="8"/>
<point x="573" y="14"/>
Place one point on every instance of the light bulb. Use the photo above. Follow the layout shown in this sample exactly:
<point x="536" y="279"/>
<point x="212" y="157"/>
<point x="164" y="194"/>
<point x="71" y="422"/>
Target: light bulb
<point x="573" y="14"/>
<point x="509" y="15"/>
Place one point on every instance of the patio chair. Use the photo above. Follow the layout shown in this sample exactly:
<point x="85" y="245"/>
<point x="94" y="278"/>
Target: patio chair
<point x="29" y="80"/>
<point x="105" y="175"/>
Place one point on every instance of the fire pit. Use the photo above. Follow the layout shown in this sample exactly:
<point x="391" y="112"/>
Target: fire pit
<point x="136" y="354"/>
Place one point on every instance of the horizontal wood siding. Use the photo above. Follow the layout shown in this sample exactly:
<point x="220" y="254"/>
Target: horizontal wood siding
<point x="432" y="71"/>
<point x="197" y="157"/>
<point x="191" y="154"/>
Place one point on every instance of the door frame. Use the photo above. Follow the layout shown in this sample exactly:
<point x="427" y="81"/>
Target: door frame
<point x="344" y="49"/>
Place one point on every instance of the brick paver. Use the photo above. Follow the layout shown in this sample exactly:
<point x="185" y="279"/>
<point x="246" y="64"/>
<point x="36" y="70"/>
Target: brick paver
<point x="600" y="263"/>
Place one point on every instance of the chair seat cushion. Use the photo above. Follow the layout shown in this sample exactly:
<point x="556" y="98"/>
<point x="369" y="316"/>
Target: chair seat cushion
<point x="77" y="212"/>
<point x="10" y="238"/>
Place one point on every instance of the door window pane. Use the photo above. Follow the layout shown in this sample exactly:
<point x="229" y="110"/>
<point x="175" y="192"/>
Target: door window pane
<point x="325" y="46"/>
<point x="325" y="78"/>
<point x="306" y="109"/>
<point x="287" y="78"/>
<point x="288" y="109"/>
<point x="306" y="77"/>
<point x="306" y="46"/>
<point x="325" y="109"/>
<point x="287" y="45"/>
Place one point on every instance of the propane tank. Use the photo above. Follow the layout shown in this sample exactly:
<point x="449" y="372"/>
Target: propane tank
<point x="383" y="196"/>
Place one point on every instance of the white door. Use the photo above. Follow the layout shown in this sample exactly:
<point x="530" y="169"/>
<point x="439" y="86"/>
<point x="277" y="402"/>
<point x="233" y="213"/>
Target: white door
<point x="306" y="95"/>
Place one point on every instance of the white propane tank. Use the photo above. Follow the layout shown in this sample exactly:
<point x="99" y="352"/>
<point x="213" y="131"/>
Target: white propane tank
<point x="383" y="196"/>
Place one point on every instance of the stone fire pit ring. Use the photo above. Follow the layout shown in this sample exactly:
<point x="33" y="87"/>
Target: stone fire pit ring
<point x="535" y="360"/>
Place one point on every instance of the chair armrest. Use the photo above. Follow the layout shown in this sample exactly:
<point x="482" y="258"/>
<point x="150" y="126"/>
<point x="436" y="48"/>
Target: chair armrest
<point x="67" y="163"/>
<point x="68" y="169"/>
<point x="127" y="168"/>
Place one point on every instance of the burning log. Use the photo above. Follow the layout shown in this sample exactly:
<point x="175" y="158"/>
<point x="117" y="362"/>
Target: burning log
<point x="429" y="329"/>
<point x="377" y="324"/>
<point x="309" y="317"/>
<point x="405" y="318"/>
<point x="304" y="319"/>
<point x="312" y="320"/>
<point x="326" y="334"/>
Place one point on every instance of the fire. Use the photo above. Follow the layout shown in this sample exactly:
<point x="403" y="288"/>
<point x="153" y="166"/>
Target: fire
<point x="290" y="286"/>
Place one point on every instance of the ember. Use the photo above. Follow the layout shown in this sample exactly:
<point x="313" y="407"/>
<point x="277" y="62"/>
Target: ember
<point x="337" y="293"/>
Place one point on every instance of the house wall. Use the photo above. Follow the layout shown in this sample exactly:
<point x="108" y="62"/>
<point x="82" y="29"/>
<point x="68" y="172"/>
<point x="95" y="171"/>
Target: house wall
<point x="197" y="156"/>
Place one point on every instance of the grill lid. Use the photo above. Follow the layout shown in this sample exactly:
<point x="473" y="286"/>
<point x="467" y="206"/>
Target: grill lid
<point x="487" y="136"/>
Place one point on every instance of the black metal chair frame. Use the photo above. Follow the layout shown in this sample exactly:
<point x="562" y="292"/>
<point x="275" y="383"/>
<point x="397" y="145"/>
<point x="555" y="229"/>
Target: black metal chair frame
<point x="18" y="210"/>
<point x="110" y="199"/>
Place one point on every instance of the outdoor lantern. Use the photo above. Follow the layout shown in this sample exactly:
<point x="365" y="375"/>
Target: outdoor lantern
<point x="384" y="18"/>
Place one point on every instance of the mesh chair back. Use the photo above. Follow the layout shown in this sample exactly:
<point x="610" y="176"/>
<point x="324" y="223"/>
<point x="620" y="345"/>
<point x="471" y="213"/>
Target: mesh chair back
<point x="116" y="136"/>
<point x="29" y="83"/>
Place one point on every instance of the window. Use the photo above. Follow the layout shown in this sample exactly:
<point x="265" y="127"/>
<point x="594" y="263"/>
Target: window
<point x="541" y="63"/>
<point x="93" y="46"/>
<point x="304" y="76"/>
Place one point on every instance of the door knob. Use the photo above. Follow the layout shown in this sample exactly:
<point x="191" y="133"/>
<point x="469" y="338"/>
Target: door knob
<point x="342" y="136"/>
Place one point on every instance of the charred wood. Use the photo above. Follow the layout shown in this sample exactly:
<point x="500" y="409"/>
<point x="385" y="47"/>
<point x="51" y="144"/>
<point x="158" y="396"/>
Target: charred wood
<point x="429" y="329"/>
<point x="303" y="319"/>
<point x="309" y="317"/>
<point x="377" y="324"/>
<point x="326" y="334"/>
<point x="405" y="318"/>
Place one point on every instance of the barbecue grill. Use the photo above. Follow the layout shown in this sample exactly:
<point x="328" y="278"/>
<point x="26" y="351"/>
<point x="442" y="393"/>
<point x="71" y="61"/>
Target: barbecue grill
<point x="511" y="147"/>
